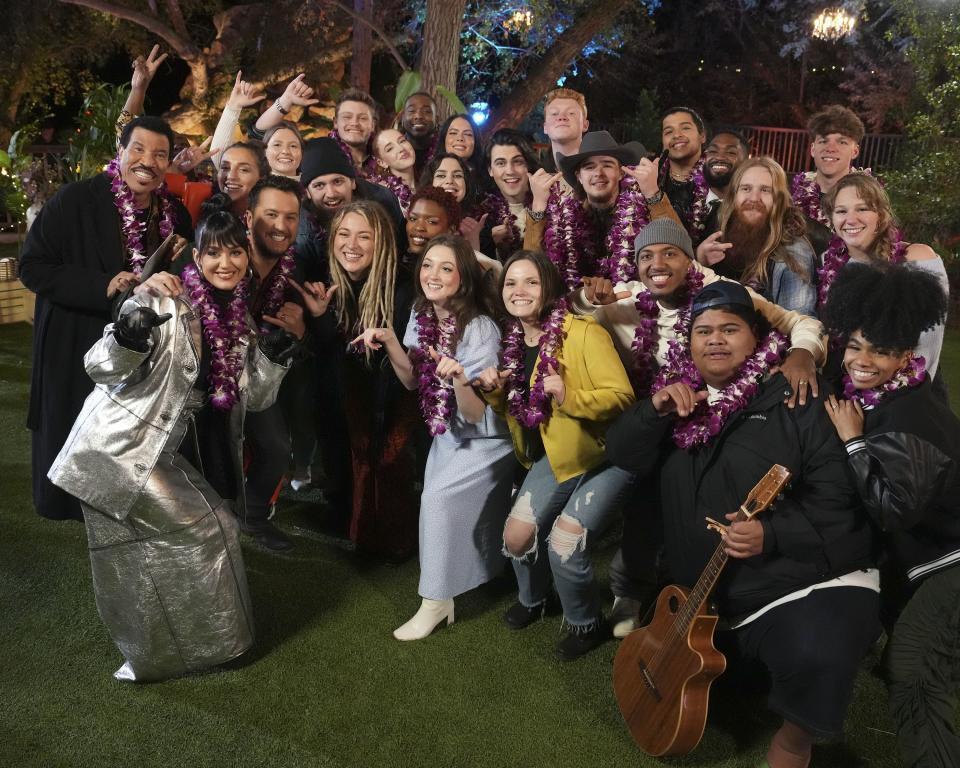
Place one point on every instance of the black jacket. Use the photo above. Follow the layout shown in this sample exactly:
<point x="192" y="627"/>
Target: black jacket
<point x="816" y="532"/>
<point x="907" y="470"/>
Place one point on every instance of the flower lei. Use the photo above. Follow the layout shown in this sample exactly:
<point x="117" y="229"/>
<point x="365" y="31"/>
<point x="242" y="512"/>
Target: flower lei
<point x="368" y="167"/>
<point x="498" y="209"/>
<point x="707" y="420"/>
<point x="696" y="217"/>
<point x="435" y="394"/>
<point x="396" y="185"/>
<point x="806" y="194"/>
<point x="911" y="375"/>
<point x="534" y="408"/>
<point x="277" y="288"/>
<point x="645" y="338"/>
<point x="222" y="335"/>
<point x="130" y="224"/>
<point x="569" y="243"/>
<point x="836" y="257"/>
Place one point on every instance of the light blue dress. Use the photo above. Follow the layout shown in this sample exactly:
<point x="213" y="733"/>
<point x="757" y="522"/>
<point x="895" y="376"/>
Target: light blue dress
<point x="467" y="484"/>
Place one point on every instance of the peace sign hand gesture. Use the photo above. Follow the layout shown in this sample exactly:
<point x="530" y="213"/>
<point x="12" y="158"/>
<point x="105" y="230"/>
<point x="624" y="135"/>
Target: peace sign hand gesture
<point x="145" y="68"/>
<point x="190" y="157"/>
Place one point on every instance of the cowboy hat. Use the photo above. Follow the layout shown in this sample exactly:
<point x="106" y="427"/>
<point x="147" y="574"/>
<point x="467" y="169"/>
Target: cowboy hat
<point x="599" y="143"/>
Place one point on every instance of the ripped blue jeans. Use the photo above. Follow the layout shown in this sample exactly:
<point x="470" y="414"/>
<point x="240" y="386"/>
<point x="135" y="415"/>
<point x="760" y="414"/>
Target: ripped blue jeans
<point x="592" y="500"/>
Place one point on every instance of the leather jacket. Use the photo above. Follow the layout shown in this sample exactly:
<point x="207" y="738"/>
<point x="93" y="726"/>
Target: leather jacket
<point x="138" y="399"/>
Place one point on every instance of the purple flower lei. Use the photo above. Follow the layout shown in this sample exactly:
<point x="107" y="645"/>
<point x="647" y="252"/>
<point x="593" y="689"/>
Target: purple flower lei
<point x="277" y="288"/>
<point x="496" y="206"/>
<point x="696" y="218"/>
<point x="532" y="410"/>
<point x="569" y="241"/>
<point x="435" y="394"/>
<point x="222" y="335"/>
<point x="836" y="257"/>
<point x="396" y="185"/>
<point x="911" y="375"/>
<point x="130" y="224"/>
<point x="368" y="168"/>
<point x="707" y="420"/>
<point x="645" y="338"/>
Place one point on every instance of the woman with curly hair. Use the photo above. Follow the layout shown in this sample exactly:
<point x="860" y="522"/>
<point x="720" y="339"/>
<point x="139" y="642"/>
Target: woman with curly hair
<point x="903" y="450"/>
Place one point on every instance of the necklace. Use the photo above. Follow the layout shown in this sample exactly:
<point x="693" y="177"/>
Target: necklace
<point x="435" y="393"/>
<point x="222" y="330"/>
<point x="696" y="217"/>
<point x="911" y="375"/>
<point x="532" y="408"/>
<point x="133" y="229"/>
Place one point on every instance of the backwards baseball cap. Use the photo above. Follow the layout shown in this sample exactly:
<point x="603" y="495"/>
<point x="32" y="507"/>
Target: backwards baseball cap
<point x="321" y="157"/>
<point x="722" y="293"/>
<point x="664" y="231"/>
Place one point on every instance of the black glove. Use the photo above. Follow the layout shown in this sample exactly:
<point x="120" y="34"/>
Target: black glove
<point x="133" y="329"/>
<point x="279" y="346"/>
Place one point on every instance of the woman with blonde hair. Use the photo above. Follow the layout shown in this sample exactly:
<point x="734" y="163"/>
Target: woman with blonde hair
<point x="369" y="289"/>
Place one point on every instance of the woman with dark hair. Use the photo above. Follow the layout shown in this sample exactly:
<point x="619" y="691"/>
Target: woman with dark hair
<point x="460" y="136"/>
<point x="800" y="572"/>
<point x="283" y="147"/>
<point x="167" y="568"/>
<point x="559" y="383"/>
<point x="510" y="160"/>
<point x="369" y="289"/>
<point x="450" y="339"/>
<point x="240" y="167"/>
<point x="866" y="232"/>
<point x="455" y="175"/>
<point x="903" y="449"/>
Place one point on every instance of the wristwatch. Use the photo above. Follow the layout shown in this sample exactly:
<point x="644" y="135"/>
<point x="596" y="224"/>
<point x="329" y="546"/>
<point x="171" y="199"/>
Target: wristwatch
<point x="655" y="198"/>
<point x="280" y="108"/>
<point x="536" y="215"/>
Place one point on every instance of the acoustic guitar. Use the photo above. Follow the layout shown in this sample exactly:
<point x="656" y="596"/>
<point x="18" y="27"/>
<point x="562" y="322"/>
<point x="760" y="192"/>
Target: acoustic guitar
<point x="662" y="672"/>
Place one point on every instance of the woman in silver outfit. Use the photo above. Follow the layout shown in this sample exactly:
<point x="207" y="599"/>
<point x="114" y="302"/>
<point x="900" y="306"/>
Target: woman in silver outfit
<point x="168" y="573"/>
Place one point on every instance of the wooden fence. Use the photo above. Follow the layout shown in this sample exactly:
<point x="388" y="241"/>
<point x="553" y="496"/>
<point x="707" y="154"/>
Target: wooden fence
<point x="791" y="147"/>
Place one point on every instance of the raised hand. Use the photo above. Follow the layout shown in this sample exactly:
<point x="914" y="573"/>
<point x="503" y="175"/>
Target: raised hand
<point x="145" y="68"/>
<point x="646" y="173"/>
<point x="120" y="282"/>
<point x="677" y="398"/>
<point x="599" y="291"/>
<point x="711" y="250"/>
<point x="161" y="284"/>
<point x="540" y="184"/>
<point x="500" y="233"/>
<point x="190" y="157"/>
<point x="133" y="328"/>
<point x="553" y="385"/>
<point x="316" y="296"/>
<point x="244" y="94"/>
<point x="374" y="338"/>
<point x="847" y="417"/>
<point x="297" y="93"/>
<point x="290" y="318"/>
<point x="470" y="228"/>
<point x="491" y="379"/>
<point x="448" y="368"/>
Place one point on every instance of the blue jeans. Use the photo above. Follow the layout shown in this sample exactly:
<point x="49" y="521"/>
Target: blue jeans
<point x="591" y="500"/>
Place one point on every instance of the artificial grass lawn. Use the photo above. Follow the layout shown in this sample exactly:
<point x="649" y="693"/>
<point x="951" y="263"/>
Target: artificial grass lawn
<point x="326" y="685"/>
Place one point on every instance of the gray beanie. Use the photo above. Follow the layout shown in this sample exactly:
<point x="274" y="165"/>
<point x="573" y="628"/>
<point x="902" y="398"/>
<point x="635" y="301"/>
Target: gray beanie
<point x="664" y="231"/>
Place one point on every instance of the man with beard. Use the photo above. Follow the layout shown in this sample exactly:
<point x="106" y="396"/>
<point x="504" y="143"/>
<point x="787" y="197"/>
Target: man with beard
<point x="726" y="150"/>
<point x="419" y="123"/>
<point x="87" y="246"/>
<point x="683" y="135"/>
<point x="765" y="244"/>
<point x="354" y="123"/>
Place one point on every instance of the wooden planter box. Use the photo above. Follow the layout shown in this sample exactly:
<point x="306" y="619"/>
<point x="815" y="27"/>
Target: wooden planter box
<point x="16" y="302"/>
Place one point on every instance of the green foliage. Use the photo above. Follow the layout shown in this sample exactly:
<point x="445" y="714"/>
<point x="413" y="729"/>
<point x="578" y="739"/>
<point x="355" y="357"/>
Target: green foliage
<point x="407" y="85"/>
<point x="924" y="191"/>
<point x="456" y="105"/>
<point x="95" y="142"/>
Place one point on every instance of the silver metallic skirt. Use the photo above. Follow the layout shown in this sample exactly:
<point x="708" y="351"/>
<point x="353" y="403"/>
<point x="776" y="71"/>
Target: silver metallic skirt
<point x="169" y="579"/>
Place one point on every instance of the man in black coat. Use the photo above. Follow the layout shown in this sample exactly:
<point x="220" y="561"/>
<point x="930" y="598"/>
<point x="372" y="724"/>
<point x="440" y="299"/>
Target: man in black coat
<point x="77" y="259"/>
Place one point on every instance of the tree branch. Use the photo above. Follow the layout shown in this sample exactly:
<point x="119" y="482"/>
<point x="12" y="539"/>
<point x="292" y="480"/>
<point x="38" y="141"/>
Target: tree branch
<point x="176" y="16"/>
<point x="184" y="47"/>
<point x="377" y="30"/>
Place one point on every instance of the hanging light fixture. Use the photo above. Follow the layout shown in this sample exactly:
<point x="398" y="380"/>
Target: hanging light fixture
<point x="518" y="21"/>
<point x="833" y="24"/>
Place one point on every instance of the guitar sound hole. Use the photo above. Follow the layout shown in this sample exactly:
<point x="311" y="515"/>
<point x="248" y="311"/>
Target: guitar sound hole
<point x="674" y="604"/>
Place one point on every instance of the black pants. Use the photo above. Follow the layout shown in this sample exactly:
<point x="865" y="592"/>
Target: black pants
<point x="268" y="440"/>
<point x="812" y="649"/>
<point x="298" y="400"/>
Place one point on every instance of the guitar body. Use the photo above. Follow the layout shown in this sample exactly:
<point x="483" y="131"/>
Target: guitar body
<point x="662" y="681"/>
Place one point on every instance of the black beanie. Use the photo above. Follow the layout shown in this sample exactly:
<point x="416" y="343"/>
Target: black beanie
<point x="323" y="156"/>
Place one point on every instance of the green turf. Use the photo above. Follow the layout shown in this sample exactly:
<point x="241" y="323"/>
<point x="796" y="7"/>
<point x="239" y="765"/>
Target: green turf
<point x="326" y="685"/>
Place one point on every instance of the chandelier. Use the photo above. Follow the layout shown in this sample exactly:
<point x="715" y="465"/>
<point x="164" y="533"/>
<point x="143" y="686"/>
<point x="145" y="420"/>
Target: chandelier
<point x="833" y="23"/>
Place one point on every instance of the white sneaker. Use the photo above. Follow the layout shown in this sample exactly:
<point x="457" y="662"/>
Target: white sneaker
<point x="300" y="481"/>
<point x="431" y="614"/>
<point x="624" y="616"/>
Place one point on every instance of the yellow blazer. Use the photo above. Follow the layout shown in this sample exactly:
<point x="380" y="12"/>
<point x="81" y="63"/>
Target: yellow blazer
<point x="598" y="390"/>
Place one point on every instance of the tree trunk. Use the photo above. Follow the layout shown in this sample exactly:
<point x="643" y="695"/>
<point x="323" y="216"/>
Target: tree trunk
<point x="360" y="64"/>
<point x="543" y="75"/>
<point x="441" y="48"/>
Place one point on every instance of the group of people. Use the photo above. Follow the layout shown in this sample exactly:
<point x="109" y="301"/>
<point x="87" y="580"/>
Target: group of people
<point x="497" y="356"/>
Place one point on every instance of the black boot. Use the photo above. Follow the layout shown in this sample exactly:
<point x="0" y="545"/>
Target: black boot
<point x="581" y="640"/>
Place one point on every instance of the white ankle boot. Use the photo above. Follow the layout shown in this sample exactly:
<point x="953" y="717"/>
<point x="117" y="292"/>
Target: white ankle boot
<point x="424" y="621"/>
<point x="625" y="616"/>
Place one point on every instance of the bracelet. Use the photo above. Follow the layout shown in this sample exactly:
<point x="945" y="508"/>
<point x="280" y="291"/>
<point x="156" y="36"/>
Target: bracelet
<point x="280" y="108"/>
<point x="654" y="199"/>
<point x="536" y="215"/>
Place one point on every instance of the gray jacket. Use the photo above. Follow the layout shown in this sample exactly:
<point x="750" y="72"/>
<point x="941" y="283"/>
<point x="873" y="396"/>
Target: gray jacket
<point x="139" y="396"/>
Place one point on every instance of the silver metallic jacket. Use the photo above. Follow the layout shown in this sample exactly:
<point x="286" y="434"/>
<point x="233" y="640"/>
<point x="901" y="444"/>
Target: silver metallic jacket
<point x="125" y="422"/>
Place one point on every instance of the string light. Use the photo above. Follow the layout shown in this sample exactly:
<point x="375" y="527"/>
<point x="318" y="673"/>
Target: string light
<point x="518" y="21"/>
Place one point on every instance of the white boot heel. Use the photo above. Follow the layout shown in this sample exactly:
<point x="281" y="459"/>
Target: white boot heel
<point x="424" y="621"/>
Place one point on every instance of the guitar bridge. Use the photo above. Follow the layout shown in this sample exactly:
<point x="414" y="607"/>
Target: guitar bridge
<point x="648" y="679"/>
